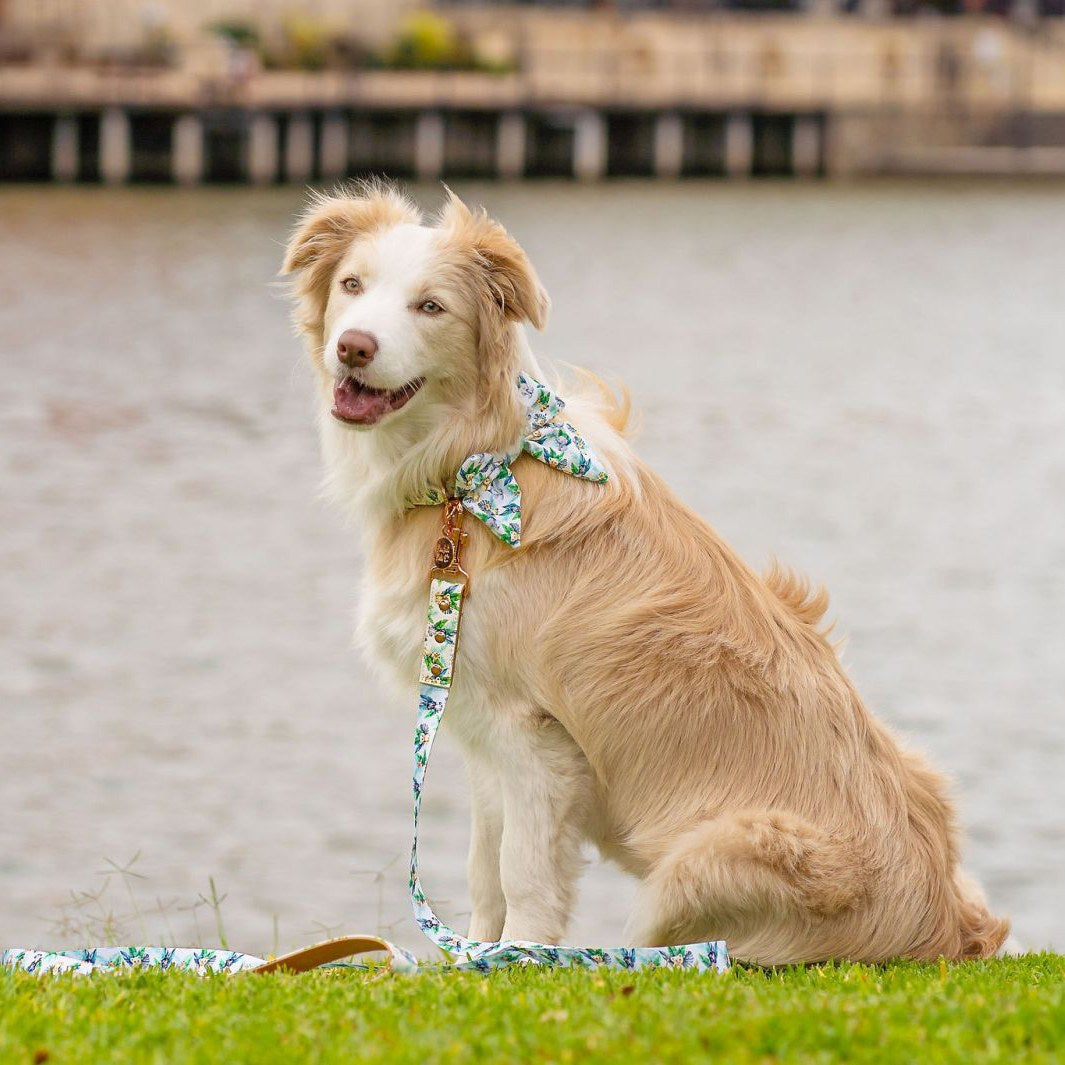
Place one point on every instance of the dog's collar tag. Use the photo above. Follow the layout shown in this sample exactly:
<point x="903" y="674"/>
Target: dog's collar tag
<point x="447" y="550"/>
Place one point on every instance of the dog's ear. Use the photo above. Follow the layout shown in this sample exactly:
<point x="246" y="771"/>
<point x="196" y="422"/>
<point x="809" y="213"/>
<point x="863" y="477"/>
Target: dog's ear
<point x="333" y="220"/>
<point x="325" y="231"/>
<point x="510" y="279"/>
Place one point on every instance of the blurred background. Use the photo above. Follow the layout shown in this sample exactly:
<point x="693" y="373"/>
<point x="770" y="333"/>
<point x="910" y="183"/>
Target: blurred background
<point x="843" y="227"/>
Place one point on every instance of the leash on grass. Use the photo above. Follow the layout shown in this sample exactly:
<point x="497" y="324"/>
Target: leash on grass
<point x="486" y="488"/>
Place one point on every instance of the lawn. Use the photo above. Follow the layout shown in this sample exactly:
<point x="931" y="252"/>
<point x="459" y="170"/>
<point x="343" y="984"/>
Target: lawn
<point x="1004" y="1010"/>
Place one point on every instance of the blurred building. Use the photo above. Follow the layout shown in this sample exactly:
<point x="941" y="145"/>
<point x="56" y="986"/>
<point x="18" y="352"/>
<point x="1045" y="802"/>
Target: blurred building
<point x="1024" y="9"/>
<point x="130" y="28"/>
<point x="264" y="91"/>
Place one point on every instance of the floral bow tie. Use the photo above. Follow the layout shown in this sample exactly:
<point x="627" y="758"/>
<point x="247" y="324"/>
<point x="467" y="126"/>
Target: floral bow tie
<point x="485" y="483"/>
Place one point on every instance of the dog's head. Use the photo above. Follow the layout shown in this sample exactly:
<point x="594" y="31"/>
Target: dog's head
<point x="397" y="313"/>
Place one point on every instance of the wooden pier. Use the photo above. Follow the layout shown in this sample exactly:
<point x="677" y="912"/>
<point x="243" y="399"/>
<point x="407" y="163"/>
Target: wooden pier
<point x="115" y="145"/>
<point x="590" y="98"/>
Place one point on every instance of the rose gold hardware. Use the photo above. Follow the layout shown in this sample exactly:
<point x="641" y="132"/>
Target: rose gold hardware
<point x="448" y="548"/>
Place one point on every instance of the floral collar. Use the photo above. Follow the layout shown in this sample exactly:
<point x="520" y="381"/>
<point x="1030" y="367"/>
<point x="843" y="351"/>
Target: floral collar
<point x="485" y="483"/>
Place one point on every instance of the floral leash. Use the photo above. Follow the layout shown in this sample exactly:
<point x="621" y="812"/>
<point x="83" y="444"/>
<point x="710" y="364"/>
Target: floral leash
<point x="485" y="487"/>
<point x="449" y="586"/>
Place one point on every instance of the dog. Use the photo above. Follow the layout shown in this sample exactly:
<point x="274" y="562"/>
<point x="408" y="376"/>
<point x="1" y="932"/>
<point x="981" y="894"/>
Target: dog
<point x="624" y="678"/>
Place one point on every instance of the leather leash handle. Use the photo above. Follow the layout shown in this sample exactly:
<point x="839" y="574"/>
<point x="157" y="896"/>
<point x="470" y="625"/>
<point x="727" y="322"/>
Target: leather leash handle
<point x="301" y="961"/>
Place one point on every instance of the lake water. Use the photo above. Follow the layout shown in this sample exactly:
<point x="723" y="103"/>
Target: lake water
<point x="866" y="381"/>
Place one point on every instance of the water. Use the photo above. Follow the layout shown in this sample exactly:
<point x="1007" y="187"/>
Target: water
<point x="866" y="381"/>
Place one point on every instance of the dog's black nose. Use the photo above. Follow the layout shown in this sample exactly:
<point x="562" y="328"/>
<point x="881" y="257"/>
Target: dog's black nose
<point x="355" y="348"/>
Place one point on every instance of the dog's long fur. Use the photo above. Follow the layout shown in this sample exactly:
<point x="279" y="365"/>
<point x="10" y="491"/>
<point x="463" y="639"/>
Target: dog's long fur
<point x="623" y="676"/>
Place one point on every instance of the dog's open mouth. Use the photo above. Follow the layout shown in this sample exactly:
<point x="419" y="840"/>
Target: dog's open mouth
<point x="359" y="404"/>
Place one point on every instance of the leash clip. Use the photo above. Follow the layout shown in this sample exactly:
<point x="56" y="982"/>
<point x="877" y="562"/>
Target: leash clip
<point x="447" y="550"/>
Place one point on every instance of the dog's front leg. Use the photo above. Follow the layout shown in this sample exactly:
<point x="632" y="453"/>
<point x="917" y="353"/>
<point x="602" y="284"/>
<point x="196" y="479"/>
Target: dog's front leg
<point x="545" y="782"/>
<point x="482" y="869"/>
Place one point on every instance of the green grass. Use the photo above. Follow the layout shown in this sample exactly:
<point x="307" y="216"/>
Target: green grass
<point x="1009" y="1010"/>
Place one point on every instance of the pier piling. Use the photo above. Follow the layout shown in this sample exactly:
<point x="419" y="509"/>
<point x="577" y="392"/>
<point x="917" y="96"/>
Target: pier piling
<point x="589" y="146"/>
<point x="429" y="146"/>
<point x="511" y="137"/>
<point x="739" y="145"/>
<point x="668" y="145"/>
<point x="116" y="152"/>
<point x="263" y="149"/>
<point x="188" y="157"/>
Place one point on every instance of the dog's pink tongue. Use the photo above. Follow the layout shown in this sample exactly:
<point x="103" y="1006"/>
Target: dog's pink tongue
<point x="358" y="405"/>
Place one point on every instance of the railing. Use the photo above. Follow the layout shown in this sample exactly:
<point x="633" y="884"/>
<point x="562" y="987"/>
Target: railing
<point x="694" y="80"/>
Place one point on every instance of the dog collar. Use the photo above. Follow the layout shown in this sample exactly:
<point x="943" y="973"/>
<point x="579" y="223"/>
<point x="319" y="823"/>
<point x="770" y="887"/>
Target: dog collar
<point x="485" y="483"/>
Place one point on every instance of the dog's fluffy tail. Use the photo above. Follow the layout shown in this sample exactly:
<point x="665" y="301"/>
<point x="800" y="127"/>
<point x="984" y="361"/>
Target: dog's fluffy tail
<point x="806" y="602"/>
<point x="980" y="931"/>
<point x="758" y="877"/>
<point x="615" y="406"/>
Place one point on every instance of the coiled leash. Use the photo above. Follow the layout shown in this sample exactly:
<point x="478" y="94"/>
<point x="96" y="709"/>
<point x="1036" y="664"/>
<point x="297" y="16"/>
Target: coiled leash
<point x="484" y="487"/>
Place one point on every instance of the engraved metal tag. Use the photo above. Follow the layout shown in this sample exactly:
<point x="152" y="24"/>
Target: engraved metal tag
<point x="443" y="553"/>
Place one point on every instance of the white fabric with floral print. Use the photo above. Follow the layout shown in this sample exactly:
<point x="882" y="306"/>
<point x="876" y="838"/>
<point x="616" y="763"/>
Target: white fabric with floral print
<point x="485" y="483"/>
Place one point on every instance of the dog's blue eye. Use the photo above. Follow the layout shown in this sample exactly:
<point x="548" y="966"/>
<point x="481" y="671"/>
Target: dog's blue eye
<point x="351" y="284"/>
<point x="431" y="307"/>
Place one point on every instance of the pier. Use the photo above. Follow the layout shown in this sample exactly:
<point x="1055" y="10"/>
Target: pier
<point x="589" y="98"/>
<point x="116" y="145"/>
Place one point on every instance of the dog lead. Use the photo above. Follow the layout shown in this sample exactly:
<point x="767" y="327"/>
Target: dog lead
<point x="485" y="487"/>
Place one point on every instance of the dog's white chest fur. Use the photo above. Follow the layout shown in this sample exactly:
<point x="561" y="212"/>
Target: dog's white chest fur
<point x="390" y="629"/>
<point x="390" y="624"/>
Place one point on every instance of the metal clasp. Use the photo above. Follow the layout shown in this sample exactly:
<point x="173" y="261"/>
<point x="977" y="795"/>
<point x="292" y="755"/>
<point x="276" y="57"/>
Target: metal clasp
<point x="447" y="550"/>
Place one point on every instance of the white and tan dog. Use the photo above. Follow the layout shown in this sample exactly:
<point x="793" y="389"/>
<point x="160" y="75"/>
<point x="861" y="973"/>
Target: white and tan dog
<point x="624" y="678"/>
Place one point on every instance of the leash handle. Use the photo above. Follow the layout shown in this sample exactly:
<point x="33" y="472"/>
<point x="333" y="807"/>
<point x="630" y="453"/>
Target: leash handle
<point x="301" y="961"/>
